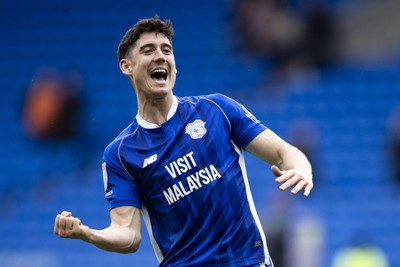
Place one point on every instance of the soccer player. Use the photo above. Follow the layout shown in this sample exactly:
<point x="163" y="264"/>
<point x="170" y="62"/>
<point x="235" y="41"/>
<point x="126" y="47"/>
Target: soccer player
<point x="180" y="164"/>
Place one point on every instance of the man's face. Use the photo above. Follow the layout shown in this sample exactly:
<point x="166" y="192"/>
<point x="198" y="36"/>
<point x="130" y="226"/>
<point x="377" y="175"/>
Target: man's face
<point x="152" y="65"/>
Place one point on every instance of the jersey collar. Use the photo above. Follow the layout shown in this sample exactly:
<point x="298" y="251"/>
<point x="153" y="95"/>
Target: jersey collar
<point x="149" y="125"/>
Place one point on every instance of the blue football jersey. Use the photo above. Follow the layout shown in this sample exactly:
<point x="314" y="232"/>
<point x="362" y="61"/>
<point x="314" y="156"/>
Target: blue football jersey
<point x="188" y="177"/>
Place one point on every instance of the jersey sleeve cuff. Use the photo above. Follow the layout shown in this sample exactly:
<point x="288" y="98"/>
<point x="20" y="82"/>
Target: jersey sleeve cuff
<point x="256" y="130"/>
<point x="120" y="203"/>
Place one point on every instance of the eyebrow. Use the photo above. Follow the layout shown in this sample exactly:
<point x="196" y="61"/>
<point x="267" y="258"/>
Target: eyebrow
<point x="151" y="45"/>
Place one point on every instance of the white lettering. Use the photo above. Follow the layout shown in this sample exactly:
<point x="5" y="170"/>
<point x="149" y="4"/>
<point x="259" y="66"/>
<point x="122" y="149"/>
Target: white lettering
<point x="209" y="174"/>
<point x="176" y="167"/>
<point x="177" y="191"/>
<point x="192" y="185"/>
<point x="194" y="181"/>
<point x="215" y="172"/>
<point x="206" y="179"/>
<point x="181" y="165"/>
<point x="171" y="171"/>
<point x="169" y="196"/>
<point x="183" y="189"/>
<point x="187" y="163"/>
<point x="190" y="155"/>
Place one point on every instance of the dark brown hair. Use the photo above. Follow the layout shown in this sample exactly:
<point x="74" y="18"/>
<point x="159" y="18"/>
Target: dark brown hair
<point x="144" y="25"/>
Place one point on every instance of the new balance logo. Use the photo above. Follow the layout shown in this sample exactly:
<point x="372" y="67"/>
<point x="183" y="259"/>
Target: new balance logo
<point x="149" y="160"/>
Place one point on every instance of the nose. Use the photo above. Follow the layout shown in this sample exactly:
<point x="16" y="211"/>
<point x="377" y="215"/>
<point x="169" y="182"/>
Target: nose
<point x="159" y="56"/>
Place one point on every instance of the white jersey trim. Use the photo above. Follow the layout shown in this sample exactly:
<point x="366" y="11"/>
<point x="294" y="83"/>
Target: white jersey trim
<point x="119" y="153"/>
<point x="223" y="112"/>
<point x="154" y="243"/>
<point x="250" y="200"/>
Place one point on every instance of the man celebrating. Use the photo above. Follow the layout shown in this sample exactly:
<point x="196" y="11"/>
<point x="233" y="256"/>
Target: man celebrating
<point x="180" y="164"/>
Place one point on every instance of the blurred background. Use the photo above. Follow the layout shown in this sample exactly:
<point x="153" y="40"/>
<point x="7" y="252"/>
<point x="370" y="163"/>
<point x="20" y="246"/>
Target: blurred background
<point x="323" y="74"/>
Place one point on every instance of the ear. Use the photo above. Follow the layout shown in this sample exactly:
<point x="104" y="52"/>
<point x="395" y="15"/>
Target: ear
<point x="125" y="67"/>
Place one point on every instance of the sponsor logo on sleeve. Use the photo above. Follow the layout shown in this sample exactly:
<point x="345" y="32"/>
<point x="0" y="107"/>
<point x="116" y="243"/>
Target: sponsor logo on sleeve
<point x="250" y="115"/>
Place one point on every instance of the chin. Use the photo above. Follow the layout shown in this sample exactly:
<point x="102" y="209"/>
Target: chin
<point x="161" y="88"/>
<point x="161" y="92"/>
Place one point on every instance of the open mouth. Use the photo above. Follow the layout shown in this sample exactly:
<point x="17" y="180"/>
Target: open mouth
<point x="159" y="74"/>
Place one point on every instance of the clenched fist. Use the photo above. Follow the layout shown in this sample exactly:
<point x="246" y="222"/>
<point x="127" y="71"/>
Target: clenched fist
<point x="67" y="226"/>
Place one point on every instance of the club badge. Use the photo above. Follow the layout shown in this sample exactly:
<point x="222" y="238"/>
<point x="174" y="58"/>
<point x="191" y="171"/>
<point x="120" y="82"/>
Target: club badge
<point x="196" y="129"/>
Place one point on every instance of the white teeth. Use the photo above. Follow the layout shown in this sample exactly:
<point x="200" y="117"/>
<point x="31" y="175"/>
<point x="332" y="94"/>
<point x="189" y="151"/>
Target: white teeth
<point x="159" y="70"/>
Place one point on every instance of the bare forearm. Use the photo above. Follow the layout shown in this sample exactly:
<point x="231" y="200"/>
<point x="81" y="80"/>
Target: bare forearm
<point x="292" y="158"/>
<point x="290" y="166"/>
<point x="272" y="149"/>
<point x="115" y="239"/>
<point x="123" y="235"/>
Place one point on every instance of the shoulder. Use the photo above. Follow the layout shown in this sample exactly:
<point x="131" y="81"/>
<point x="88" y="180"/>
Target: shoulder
<point x="218" y="103"/>
<point x="112" y="149"/>
<point x="213" y="99"/>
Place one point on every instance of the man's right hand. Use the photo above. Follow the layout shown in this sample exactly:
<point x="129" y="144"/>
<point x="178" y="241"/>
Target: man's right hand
<point x="67" y="226"/>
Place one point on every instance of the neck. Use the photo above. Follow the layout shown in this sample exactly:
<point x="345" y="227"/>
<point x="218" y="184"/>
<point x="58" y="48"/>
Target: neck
<point x="156" y="110"/>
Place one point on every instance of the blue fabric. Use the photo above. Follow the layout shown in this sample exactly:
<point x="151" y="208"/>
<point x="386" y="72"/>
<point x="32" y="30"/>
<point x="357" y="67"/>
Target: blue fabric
<point x="189" y="179"/>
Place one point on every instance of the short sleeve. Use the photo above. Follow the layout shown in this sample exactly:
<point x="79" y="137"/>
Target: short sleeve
<point x="244" y="126"/>
<point x="120" y="187"/>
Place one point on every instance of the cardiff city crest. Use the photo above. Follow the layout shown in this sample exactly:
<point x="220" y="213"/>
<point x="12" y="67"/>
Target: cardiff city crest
<point x="196" y="129"/>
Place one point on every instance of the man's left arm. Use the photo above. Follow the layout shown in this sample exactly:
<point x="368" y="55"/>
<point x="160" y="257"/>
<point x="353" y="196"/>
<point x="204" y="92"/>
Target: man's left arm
<point x="290" y="166"/>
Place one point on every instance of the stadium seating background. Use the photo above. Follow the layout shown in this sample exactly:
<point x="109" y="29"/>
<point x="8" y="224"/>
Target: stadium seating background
<point x="349" y="106"/>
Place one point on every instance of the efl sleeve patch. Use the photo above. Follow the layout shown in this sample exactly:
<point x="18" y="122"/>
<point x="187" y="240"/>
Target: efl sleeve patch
<point x="105" y="176"/>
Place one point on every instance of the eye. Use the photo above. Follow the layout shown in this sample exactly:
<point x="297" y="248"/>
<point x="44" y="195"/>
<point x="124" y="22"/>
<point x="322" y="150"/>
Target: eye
<point x="167" y="50"/>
